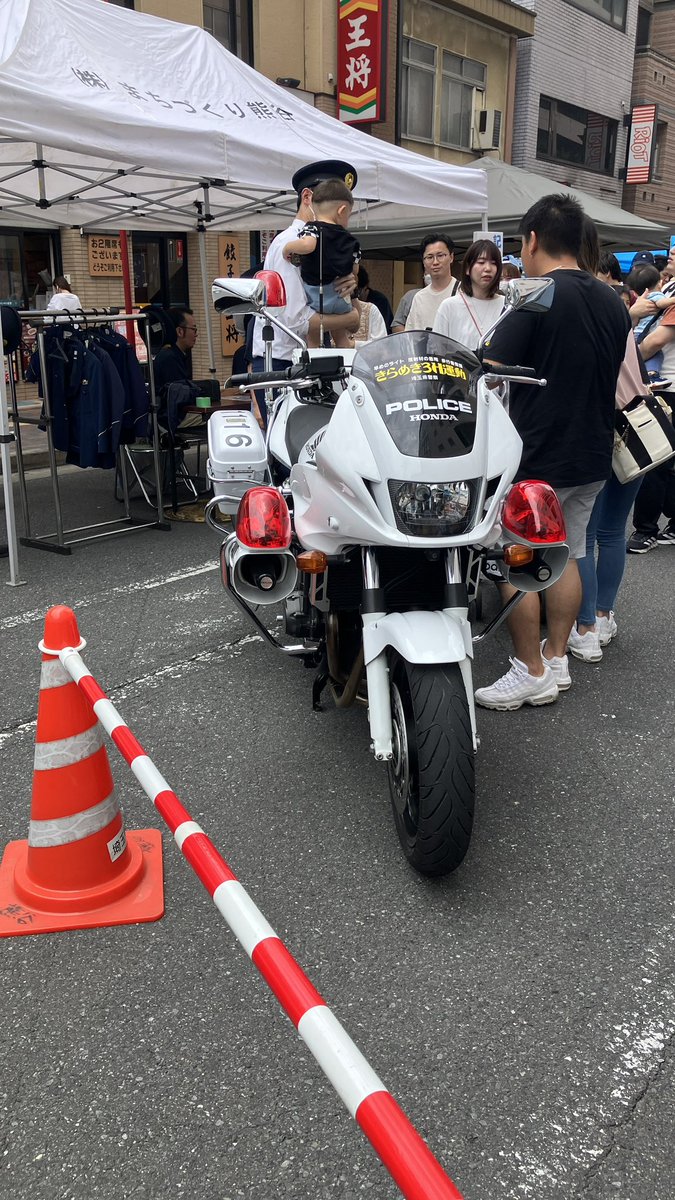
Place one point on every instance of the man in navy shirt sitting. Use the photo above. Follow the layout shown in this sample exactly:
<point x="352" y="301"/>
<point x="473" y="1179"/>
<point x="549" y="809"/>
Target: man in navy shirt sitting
<point x="173" y="365"/>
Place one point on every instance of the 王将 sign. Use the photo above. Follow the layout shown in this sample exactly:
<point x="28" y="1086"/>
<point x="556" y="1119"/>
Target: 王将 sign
<point x="360" y="56"/>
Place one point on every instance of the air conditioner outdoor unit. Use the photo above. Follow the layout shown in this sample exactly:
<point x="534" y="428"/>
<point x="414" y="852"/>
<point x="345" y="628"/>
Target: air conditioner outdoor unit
<point x="488" y="129"/>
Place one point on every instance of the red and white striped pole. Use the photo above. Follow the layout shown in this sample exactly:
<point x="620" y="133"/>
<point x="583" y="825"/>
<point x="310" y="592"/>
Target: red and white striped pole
<point x="406" y="1156"/>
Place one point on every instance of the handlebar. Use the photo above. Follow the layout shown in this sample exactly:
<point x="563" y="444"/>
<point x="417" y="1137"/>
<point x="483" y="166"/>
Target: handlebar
<point x="261" y="378"/>
<point x="511" y="372"/>
<point x="512" y="375"/>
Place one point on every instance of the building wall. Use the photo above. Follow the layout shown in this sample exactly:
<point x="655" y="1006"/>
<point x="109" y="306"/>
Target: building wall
<point x="103" y="291"/>
<point x="654" y="83"/>
<point x="579" y="59"/>
<point x="297" y="39"/>
<point x="484" y="30"/>
<point x="190" y="12"/>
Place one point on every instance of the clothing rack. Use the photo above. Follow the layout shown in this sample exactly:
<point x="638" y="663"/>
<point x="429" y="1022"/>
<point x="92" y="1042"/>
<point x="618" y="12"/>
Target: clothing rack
<point x="60" y="541"/>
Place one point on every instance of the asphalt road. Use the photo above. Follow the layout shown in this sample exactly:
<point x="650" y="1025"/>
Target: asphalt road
<point x="521" y="1011"/>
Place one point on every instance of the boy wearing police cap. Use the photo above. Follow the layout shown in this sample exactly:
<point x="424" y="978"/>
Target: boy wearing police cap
<point x="327" y="251"/>
<point x="297" y="314"/>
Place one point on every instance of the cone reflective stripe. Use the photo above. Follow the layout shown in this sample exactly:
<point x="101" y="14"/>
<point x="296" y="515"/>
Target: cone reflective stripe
<point x="406" y="1156"/>
<point x="77" y="869"/>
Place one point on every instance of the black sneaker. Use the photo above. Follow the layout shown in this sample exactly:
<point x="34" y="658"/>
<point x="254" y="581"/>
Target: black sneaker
<point x="641" y="543"/>
<point x="666" y="537"/>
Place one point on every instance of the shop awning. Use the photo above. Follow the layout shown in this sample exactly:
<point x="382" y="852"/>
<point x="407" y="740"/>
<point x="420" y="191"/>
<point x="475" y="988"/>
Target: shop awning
<point x="511" y="191"/>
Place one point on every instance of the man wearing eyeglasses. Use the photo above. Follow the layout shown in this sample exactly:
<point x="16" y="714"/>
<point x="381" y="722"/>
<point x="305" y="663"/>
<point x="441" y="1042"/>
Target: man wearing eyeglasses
<point x="172" y="364"/>
<point x="438" y="253"/>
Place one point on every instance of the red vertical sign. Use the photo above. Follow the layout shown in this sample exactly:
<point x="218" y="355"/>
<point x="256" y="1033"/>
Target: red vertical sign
<point x="360" y="60"/>
<point x="641" y="144"/>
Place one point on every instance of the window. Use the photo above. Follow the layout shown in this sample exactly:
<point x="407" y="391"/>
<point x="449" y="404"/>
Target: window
<point x="160" y="269"/>
<point x="228" y="21"/>
<point x="612" y="12"/>
<point x="459" y="79"/>
<point x="570" y="134"/>
<point x="644" y="29"/>
<point x="659" y="152"/>
<point x="23" y="255"/>
<point x="418" y="80"/>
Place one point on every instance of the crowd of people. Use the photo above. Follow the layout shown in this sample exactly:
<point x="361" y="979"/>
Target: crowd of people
<point x="603" y="342"/>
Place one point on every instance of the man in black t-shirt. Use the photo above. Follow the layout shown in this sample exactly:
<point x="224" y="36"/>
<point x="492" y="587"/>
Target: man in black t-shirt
<point x="567" y="428"/>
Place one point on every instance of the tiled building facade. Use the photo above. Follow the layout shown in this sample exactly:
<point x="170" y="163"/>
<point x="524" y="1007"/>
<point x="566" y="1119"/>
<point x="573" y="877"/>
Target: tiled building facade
<point x="654" y="83"/>
<point x="573" y="91"/>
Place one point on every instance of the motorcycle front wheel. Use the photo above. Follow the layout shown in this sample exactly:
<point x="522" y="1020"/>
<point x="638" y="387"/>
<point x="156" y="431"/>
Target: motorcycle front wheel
<point x="431" y="774"/>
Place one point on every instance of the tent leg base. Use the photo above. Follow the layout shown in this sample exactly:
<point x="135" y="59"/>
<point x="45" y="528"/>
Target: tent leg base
<point x="38" y="545"/>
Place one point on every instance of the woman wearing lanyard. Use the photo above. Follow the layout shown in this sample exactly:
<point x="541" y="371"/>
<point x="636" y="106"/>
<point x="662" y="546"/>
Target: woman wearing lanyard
<point x="467" y="316"/>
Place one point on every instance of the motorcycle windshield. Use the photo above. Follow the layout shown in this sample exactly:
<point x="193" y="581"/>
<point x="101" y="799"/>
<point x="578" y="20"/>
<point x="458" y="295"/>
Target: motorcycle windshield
<point x="422" y="386"/>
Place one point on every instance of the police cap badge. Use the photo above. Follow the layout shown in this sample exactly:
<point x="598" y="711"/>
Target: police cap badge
<point x="330" y="168"/>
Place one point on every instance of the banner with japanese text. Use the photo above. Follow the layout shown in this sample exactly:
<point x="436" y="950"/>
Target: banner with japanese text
<point x="360" y="57"/>
<point x="229" y="267"/>
<point x="641" y="144"/>
<point x="105" y="254"/>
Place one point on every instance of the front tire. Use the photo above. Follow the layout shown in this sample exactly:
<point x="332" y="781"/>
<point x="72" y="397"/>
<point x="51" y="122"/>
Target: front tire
<point x="431" y="775"/>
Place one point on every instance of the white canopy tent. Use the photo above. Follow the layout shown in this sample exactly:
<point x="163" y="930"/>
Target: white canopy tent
<point x="116" y="120"/>
<point x="511" y="191"/>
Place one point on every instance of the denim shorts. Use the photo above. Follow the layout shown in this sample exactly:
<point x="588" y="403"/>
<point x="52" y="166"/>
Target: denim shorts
<point x="332" y="303"/>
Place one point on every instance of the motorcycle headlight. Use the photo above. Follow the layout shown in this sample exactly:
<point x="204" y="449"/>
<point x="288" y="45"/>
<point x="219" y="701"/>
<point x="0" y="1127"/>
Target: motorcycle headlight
<point x="433" y="509"/>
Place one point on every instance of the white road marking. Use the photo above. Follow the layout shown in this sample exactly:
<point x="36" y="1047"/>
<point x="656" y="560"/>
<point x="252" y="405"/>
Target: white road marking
<point x="155" y="679"/>
<point x="37" y="615"/>
<point x="571" y="1138"/>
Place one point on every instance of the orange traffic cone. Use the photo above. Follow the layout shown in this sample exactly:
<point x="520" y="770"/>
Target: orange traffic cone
<point x="77" y="870"/>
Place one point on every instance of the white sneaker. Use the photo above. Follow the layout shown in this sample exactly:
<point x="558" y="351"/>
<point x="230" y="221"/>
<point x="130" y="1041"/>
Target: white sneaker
<point x="606" y="629"/>
<point x="585" y="646"/>
<point x="560" y="669"/>
<point x="518" y="687"/>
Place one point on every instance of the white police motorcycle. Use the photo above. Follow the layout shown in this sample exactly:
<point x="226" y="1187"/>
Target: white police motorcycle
<point x="384" y="483"/>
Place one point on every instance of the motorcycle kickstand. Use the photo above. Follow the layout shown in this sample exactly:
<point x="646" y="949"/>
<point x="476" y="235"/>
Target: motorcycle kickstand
<point x="320" y="680"/>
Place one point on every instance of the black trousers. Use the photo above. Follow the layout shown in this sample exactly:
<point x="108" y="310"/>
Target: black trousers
<point x="656" y="496"/>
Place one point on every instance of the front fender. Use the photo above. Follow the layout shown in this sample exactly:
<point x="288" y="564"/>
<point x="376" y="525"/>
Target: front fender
<point x="419" y="637"/>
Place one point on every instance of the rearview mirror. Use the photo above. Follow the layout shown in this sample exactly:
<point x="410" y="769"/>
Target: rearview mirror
<point x="530" y="295"/>
<point x="238" y="295"/>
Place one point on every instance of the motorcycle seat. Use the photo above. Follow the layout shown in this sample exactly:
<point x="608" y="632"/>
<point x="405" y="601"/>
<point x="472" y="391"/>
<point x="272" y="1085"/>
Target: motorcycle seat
<point x="303" y="422"/>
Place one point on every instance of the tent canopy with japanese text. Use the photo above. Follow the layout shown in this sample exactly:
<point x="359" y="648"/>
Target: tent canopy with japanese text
<point x="114" y="119"/>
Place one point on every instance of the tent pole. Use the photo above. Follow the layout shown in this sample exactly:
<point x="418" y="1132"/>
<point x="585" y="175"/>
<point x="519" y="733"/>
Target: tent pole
<point x="126" y="281"/>
<point x="203" y="209"/>
<point x="484" y="222"/>
<point x="5" y="440"/>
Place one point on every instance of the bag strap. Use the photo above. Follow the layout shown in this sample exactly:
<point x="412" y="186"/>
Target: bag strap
<point x="648" y="328"/>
